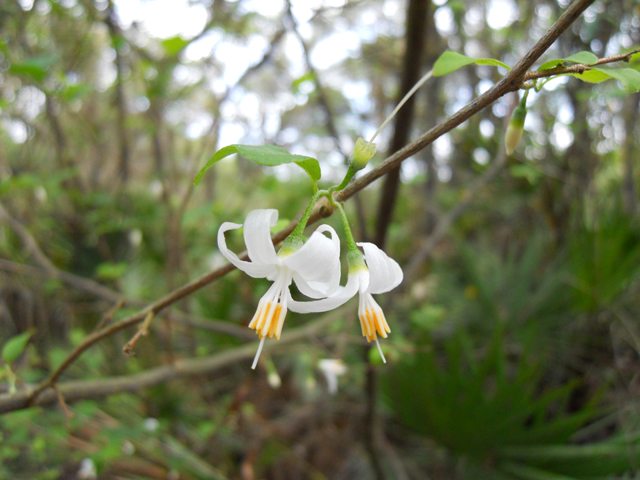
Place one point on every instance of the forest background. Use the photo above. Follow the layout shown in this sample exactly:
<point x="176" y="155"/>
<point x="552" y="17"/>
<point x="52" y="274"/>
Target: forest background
<point x="515" y="343"/>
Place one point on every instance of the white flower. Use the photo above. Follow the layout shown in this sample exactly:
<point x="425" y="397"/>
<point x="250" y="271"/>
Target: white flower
<point x="87" y="470"/>
<point x="381" y="274"/>
<point x="314" y="266"/>
<point x="332" y="369"/>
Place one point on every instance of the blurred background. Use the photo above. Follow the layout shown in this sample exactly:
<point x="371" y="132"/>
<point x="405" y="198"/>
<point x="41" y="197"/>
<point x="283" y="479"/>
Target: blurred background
<point x="515" y="343"/>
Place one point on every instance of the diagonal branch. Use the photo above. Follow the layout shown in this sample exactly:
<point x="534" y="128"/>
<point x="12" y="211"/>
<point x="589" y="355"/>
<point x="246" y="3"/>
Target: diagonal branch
<point x="511" y="82"/>
<point x="581" y="67"/>
<point x="90" y="389"/>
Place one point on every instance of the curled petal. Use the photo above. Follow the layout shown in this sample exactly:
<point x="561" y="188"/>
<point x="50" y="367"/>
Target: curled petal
<point x="317" y="264"/>
<point x="252" y="269"/>
<point x="384" y="272"/>
<point x="257" y="236"/>
<point x="338" y="298"/>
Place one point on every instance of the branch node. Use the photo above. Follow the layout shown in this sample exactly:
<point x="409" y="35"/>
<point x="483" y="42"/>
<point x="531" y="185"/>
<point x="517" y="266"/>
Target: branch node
<point x="143" y="331"/>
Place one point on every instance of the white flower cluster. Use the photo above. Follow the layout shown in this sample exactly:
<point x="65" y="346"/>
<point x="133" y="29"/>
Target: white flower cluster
<point x="315" y="269"/>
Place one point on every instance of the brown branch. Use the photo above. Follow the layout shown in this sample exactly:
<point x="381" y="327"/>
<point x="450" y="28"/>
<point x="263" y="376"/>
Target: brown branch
<point x="579" y="68"/>
<point x="92" y="389"/>
<point x="511" y="82"/>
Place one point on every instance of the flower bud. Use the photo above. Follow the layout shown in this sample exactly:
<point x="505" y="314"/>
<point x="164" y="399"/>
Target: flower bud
<point x="515" y="129"/>
<point x="362" y="153"/>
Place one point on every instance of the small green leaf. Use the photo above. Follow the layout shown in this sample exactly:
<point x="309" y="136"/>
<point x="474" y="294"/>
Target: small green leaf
<point x="451" y="61"/>
<point x="174" y="45"/>
<point x="111" y="271"/>
<point x="36" y="67"/>
<point x="219" y="155"/>
<point x="15" y="346"/>
<point x="267" y="155"/>
<point x="587" y="58"/>
<point x="526" y="171"/>
<point x="307" y="77"/>
<point x="311" y="166"/>
<point x="73" y="92"/>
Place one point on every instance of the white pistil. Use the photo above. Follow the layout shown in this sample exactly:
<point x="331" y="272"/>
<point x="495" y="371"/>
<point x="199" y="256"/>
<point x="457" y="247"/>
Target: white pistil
<point x="272" y="310"/>
<point x="255" y="360"/>
<point x="380" y="350"/>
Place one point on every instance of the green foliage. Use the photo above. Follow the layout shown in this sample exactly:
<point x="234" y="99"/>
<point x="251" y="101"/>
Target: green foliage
<point x="499" y="407"/>
<point x="521" y="260"/>
<point x="174" y="45"/>
<point x="451" y="61"/>
<point x="35" y="68"/>
<point x="586" y="58"/>
<point x="14" y="347"/>
<point x="267" y="155"/>
<point x="629" y="77"/>
<point x="605" y="260"/>
<point x="111" y="271"/>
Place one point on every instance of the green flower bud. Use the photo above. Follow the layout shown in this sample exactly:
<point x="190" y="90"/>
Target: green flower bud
<point x="515" y="129"/>
<point x="362" y="153"/>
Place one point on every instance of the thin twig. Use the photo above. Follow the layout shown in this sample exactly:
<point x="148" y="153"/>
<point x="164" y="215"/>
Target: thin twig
<point x="91" y="389"/>
<point x="143" y="331"/>
<point x="579" y="68"/>
<point x="107" y="317"/>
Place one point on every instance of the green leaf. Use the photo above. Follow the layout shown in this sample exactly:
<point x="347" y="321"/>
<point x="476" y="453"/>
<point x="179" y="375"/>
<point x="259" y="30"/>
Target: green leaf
<point x="111" y="271"/>
<point x="587" y="58"/>
<point x="15" y="346"/>
<point x="591" y="76"/>
<point x="267" y="155"/>
<point x="451" y="61"/>
<point x="629" y="77"/>
<point x="311" y="166"/>
<point x="36" y="67"/>
<point x="307" y="77"/>
<point x="525" y="170"/>
<point x="174" y="45"/>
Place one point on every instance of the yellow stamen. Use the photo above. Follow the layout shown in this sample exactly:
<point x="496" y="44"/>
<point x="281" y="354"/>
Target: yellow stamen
<point x="274" y="324"/>
<point x="263" y="318"/>
<point x="372" y="323"/>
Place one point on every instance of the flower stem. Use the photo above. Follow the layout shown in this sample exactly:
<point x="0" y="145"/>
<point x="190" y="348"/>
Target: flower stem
<point x="296" y="234"/>
<point x="351" y="243"/>
<point x="351" y="171"/>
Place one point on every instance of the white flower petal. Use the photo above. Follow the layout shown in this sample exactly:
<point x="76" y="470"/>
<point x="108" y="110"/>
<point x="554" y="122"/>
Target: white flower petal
<point x="339" y="297"/>
<point x="313" y="289"/>
<point x="252" y="269"/>
<point x="384" y="272"/>
<point x="257" y="236"/>
<point x="317" y="264"/>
